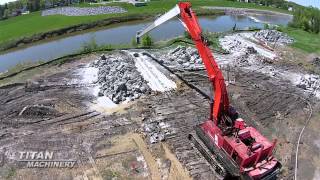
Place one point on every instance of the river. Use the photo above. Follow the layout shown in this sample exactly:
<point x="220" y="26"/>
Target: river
<point x="123" y="33"/>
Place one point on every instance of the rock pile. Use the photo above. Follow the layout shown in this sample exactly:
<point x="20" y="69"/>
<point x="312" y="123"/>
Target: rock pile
<point x="157" y="131"/>
<point x="183" y="58"/>
<point x="316" y="61"/>
<point x="309" y="82"/>
<point x="240" y="46"/>
<point x="77" y="11"/>
<point x="273" y="36"/>
<point x="119" y="79"/>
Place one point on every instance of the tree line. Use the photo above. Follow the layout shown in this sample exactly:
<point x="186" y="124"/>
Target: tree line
<point x="306" y="18"/>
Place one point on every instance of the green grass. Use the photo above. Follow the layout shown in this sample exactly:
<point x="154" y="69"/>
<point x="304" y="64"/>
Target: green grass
<point x="305" y="41"/>
<point x="28" y="25"/>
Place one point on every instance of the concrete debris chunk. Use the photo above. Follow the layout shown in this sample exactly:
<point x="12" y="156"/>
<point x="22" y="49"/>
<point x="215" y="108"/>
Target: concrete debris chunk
<point x="316" y="61"/>
<point x="309" y="82"/>
<point x="273" y="36"/>
<point x="183" y="58"/>
<point x="87" y="11"/>
<point x="119" y="79"/>
<point x="156" y="131"/>
<point x="251" y="50"/>
<point x="241" y="44"/>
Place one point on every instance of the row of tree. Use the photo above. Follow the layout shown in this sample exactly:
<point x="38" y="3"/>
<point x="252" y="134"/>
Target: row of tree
<point x="282" y="4"/>
<point x="307" y="18"/>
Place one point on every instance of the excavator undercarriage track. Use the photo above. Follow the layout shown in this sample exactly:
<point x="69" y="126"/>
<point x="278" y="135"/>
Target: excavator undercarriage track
<point x="211" y="158"/>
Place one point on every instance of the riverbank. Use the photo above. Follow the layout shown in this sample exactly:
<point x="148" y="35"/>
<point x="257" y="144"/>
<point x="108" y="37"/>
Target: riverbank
<point x="37" y="27"/>
<point x="86" y="26"/>
<point x="23" y="67"/>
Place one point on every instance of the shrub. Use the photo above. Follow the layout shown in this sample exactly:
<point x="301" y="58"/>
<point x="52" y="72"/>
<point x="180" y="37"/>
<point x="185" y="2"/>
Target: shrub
<point x="186" y="35"/>
<point x="90" y="46"/>
<point x="134" y="42"/>
<point x="306" y="18"/>
<point x="147" y="40"/>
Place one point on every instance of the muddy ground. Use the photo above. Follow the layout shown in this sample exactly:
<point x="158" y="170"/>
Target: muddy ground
<point x="51" y="109"/>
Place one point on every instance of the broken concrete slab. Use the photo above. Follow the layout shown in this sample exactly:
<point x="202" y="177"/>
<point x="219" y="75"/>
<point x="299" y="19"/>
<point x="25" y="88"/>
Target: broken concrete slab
<point x="273" y="36"/>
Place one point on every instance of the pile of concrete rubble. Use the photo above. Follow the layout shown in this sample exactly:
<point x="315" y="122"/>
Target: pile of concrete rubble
<point x="157" y="131"/>
<point x="273" y="36"/>
<point x="309" y="82"/>
<point x="316" y="61"/>
<point x="77" y="11"/>
<point x="119" y="79"/>
<point x="240" y="44"/>
<point x="183" y="58"/>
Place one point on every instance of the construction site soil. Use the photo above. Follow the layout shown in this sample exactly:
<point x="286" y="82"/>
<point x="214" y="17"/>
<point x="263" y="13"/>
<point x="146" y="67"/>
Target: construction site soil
<point x="56" y="109"/>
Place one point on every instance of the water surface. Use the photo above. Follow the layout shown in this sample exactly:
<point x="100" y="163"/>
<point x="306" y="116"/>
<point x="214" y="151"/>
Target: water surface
<point x="124" y="33"/>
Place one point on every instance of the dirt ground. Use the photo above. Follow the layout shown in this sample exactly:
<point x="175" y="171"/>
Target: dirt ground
<point x="52" y="110"/>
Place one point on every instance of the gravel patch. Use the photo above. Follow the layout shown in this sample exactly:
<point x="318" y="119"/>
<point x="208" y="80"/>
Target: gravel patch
<point x="77" y="11"/>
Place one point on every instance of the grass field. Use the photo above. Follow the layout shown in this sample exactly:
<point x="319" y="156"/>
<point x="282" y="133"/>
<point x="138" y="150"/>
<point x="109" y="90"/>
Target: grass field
<point x="305" y="41"/>
<point x="34" y="23"/>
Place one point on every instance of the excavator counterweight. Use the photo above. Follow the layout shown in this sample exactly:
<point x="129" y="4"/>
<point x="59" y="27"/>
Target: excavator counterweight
<point x="231" y="146"/>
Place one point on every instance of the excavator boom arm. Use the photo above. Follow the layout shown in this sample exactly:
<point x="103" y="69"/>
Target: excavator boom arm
<point x="190" y="22"/>
<point x="162" y="19"/>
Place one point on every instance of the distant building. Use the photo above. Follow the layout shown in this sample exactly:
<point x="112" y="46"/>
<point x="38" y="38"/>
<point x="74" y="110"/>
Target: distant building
<point x="49" y="3"/>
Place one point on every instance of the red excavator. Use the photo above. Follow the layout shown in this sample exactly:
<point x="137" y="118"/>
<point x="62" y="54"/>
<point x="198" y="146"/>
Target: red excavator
<point x="233" y="148"/>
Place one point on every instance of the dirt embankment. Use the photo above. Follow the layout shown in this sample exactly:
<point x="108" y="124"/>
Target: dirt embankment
<point x="68" y="30"/>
